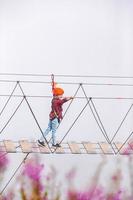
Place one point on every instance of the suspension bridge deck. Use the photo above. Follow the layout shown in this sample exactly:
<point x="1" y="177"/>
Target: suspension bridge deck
<point x="25" y="146"/>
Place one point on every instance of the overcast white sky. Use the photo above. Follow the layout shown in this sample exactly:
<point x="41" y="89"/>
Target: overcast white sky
<point x="66" y="37"/>
<point x="84" y="37"/>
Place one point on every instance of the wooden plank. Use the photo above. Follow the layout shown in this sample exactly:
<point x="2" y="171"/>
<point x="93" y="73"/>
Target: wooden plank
<point x="74" y="147"/>
<point x="44" y="149"/>
<point x="105" y="147"/>
<point x="26" y="146"/>
<point x="9" y="146"/>
<point x="58" y="150"/>
<point x="35" y="147"/>
<point x="119" y="146"/>
<point x="89" y="147"/>
<point x="2" y="147"/>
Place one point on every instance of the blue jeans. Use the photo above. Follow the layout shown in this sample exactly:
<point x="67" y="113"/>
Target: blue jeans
<point x="52" y="126"/>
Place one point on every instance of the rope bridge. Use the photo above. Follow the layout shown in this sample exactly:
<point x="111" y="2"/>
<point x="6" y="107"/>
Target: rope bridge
<point x="107" y="147"/>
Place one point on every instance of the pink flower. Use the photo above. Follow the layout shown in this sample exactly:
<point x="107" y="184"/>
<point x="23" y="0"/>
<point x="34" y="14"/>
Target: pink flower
<point x="71" y="195"/>
<point x="118" y="196"/>
<point x="95" y="194"/>
<point x="129" y="149"/>
<point x="33" y="170"/>
<point x="71" y="174"/>
<point x="9" y="196"/>
<point x="3" y="160"/>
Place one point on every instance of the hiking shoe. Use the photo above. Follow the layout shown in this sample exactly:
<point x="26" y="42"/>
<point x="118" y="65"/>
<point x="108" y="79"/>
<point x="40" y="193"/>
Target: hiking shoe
<point x="41" y="143"/>
<point x="56" y="145"/>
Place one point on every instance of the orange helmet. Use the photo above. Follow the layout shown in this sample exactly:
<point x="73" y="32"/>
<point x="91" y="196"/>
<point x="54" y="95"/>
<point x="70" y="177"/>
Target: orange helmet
<point x="58" y="91"/>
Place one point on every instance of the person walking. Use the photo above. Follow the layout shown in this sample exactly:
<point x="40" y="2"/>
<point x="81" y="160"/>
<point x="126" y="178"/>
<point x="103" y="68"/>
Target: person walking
<point x="55" y="116"/>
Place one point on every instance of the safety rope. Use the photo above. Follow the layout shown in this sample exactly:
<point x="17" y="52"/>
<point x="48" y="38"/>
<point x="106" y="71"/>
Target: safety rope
<point x="105" y="132"/>
<point x="70" y="75"/>
<point x="122" y="122"/>
<point x="14" y="173"/>
<point x="11" y="116"/>
<point x="124" y="142"/>
<point x="8" y="99"/>
<point x="78" y="97"/>
<point x="99" y="122"/>
<point x="53" y="83"/>
<point x="72" y="83"/>
<point x="73" y="124"/>
<point x="71" y="100"/>
<point x="94" y="114"/>
<point x="34" y="116"/>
